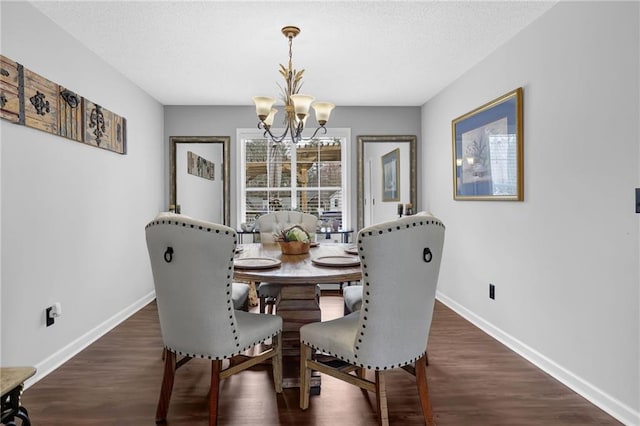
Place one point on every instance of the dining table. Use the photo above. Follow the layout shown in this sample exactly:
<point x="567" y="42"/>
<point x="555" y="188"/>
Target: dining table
<point x="298" y="275"/>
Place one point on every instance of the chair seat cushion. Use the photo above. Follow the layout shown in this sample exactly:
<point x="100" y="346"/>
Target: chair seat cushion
<point x="352" y="297"/>
<point x="268" y="290"/>
<point x="255" y="328"/>
<point x="335" y="337"/>
<point x="239" y="294"/>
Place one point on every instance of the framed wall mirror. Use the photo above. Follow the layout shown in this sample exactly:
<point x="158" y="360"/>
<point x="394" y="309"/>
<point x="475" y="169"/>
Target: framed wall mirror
<point x="199" y="177"/>
<point x="387" y="170"/>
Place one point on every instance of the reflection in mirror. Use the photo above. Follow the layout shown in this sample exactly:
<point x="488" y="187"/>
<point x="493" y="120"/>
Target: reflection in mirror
<point x="386" y="177"/>
<point x="199" y="176"/>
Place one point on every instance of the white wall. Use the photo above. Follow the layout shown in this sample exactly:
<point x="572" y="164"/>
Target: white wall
<point x="73" y="216"/>
<point x="225" y="120"/>
<point x="197" y="196"/>
<point x="564" y="261"/>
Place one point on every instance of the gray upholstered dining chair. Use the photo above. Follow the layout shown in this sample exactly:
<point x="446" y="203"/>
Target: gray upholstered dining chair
<point x="352" y="295"/>
<point x="269" y="224"/>
<point x="239" y="291"/>
<point x="240" y="296"/>
<point x="192" y="265"/>
<point x="400" y="266"/>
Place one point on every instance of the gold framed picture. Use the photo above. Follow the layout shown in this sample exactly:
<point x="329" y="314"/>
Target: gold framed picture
<point x="488" y="151"/>
<point x="391" y="176"/>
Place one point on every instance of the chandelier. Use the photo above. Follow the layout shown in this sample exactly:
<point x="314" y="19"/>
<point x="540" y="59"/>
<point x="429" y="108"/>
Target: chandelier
<point x="296" y="106"/>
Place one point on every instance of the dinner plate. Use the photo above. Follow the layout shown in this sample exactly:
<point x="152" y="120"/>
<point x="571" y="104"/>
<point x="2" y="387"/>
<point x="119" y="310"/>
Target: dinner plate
<point x="256" y="263"/>
<point x="353" y="249"/>
<point x="336" y="260"/>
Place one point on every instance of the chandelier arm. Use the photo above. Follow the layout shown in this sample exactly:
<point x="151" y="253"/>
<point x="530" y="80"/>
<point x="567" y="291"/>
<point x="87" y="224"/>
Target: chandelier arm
<point x="295" y="135"/>
<point x="324" y="131"/>
<point x="267" y="133"/>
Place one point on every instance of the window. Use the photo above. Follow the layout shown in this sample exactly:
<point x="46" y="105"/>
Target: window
<point x="310" y="177"/>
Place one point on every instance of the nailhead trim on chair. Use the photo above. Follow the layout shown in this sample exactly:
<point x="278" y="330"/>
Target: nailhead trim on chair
<point x="251" y="345"/>
<point x="366" y="302"/>
<point x="354" y="362"/>
<point x="234" y="235"/>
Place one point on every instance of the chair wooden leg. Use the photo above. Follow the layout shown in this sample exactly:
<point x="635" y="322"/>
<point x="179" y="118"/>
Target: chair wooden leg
<point x="262" y="304"/>
<point x="361" y="372"/>
<point x="214" y="392"/>
<point x="381" y="398"/>
<point x="276" y="362"/>
<point x="423" y="390"/>
<point x="167" y="386"/>
<point x="305" y="376"/>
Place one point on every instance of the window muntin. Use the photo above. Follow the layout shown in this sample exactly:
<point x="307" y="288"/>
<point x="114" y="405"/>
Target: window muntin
<point x="310" y="177"/>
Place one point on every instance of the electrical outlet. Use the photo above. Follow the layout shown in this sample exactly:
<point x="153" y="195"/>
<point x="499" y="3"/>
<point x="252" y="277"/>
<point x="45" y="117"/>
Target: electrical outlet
<point x="49" y="316"/>
<point x="492" y="291"/>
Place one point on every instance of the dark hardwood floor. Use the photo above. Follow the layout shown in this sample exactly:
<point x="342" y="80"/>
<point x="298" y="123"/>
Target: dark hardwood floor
<point x="473" y="380"/>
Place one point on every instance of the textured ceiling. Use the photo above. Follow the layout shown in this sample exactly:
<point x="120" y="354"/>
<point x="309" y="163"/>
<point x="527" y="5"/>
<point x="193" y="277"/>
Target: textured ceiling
<point x="354" y="52"/>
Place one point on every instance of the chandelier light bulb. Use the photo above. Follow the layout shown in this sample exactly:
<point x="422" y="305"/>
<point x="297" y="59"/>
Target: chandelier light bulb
<point x="263" y="106"/>
<point x="323" y="111"/>
<point x="269" y="120"/>
<point x="301" y="104"/>
<point x="304" y="121"/>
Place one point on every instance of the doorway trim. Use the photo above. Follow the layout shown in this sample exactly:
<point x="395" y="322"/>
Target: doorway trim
<point x="226" y="142"/>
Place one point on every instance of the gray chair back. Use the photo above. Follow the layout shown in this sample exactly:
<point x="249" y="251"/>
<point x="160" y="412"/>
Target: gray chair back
<point x="400" y="266"/>
<point x="273" y="222"/>
<point x="192" y="264"/>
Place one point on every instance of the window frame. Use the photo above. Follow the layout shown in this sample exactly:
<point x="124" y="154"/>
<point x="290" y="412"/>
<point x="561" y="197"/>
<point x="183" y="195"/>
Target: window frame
<point x="345" y="153"/>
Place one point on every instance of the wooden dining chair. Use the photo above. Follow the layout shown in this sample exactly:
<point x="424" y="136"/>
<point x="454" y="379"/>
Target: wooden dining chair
<point x="400" y="265"/>
<point x="269" y="224"/>
<point x="192" y="265"/>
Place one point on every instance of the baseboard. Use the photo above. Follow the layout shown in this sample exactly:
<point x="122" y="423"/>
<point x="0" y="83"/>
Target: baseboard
<point x="66" y="353"/>
<point x="597" y="397"/>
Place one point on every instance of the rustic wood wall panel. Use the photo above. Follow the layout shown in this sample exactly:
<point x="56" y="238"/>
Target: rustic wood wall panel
<point x="70" y="114"/>
<point x="103" y="128"/>
<point x="10" y="82"/>
<point x="28" y="98"/>
<point x="40" y="102"/>
<point x="119" y="136"/>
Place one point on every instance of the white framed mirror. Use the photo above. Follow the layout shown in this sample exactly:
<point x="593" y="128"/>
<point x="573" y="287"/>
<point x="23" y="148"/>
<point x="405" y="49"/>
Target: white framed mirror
<point x="199" y="176"/>
<point x="387" y="170"/>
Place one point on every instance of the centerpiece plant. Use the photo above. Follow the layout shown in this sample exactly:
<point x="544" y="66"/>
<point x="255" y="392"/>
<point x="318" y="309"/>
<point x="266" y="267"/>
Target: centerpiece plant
<point x="293" y="240"/>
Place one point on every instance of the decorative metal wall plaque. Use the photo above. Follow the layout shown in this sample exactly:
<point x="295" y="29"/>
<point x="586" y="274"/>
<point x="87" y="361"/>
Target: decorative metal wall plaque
<point x="70" y="112"/>
<point x="39" y="103"/>
<point x="29" y="99"/>
<point x="96" y="122"/>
